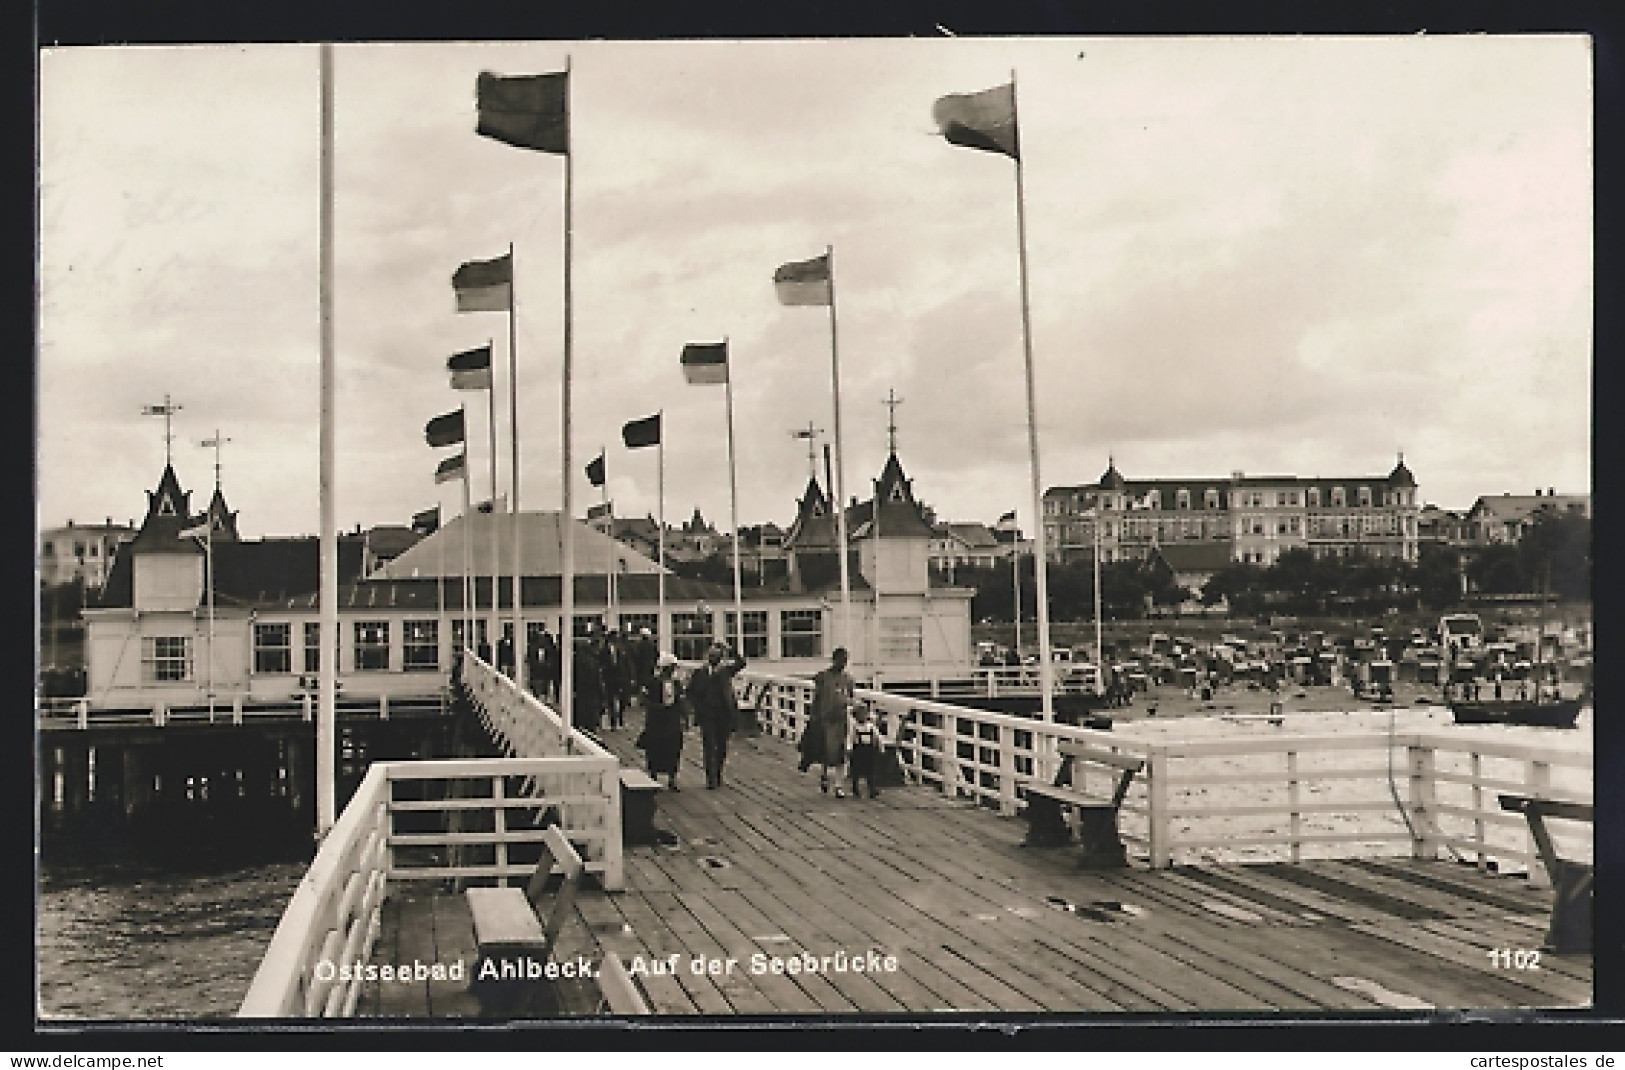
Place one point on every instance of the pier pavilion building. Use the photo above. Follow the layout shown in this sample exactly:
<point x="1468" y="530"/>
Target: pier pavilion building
<point x="161" y="634"/>
<point x="1254" y="517"/>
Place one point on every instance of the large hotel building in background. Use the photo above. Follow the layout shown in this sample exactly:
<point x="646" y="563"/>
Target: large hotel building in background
<point x="1253" y="518"/>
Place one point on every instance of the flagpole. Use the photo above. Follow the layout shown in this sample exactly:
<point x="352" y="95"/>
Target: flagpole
<point x="840" y="470"/>
<point x="328" y="582"/>
<point x="733" y="503"/>
<point x="663" y="639"/>
<point x="1017" y="585"/>
<point x="208" y="560"/>
<point x="1100" y="649"/>
<point x="567" y="592"/>
<point x="468" y="546"/>
<point x="468" y="563"/>
<point x="1046" y="670"/>
<point x="491" y="438"/>
<point x="520" y="665"/>
<point x="440" y="582"/>
<point x="609" y="577"/>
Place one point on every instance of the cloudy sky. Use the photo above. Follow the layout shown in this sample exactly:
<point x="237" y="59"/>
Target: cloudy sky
<point x="1273" y="255"/>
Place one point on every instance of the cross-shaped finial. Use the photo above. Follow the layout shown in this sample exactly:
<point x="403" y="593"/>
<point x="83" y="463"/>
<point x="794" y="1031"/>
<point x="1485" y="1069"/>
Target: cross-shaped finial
<point x="891" y="402"/>
<point x="167" y="410"/>
<point x="215" y="443"/>
<point x="810" y="433"/>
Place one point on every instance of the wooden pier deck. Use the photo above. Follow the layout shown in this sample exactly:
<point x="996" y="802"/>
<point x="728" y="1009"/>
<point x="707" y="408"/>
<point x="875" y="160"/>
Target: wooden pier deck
<point x="973" y="921"/>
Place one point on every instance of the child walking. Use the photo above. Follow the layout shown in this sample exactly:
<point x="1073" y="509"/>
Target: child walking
<point x="863" y="750"/>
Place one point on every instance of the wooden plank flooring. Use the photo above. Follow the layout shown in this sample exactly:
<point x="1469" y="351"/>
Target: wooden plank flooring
<point x="970" y="920"/>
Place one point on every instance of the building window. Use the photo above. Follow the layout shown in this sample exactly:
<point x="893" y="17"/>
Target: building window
<point x="801" y="633"/>
<point x="1154" y="499"/>
<point x="1365" y="497"/>
<point x="1210" y="498"/>
<point x="634" y="623"/>
<point x="273" y="648"/>
<point x="1337" y="497"/>
<point x="371" y="646"/>
<point x="691" y="635"/>
<point x="459" y="628"/>
<point x="166" y="658"/>
<point x="1183" y="499"/>
<point x="1314" y="497"/>
<point x="755" y="637"/>
<point x="312" y="647"/>
<point x="420" y="646"/>
<point x="901" y="639"/>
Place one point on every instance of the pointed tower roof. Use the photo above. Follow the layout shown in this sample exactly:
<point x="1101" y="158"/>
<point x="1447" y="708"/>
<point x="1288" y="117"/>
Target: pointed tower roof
<point x="894" y="514"/>
<point x="1112" y="479"/>
<point x="814" y="523"/>
<point x="1401" y="476"/>
<point x="169" y="511"/>
<point x="221" y="518"/>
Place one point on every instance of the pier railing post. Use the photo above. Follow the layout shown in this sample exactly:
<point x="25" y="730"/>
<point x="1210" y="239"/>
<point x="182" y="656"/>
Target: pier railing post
<point x="1478" y="810"/>
<point x="1537" y="779"/>
<point x="1424" y="817"/>
<point x="1294" y="818"/>
<point x="1158" y="831"/>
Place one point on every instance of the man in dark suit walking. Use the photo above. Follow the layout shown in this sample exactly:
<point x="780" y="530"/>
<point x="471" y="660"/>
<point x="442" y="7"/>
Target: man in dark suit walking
<point x="711" y="696"/>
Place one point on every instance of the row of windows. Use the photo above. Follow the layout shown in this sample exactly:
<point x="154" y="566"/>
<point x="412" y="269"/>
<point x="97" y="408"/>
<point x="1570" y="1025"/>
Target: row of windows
<point x="801" y="636"/>
<point x="1253" y="499"/>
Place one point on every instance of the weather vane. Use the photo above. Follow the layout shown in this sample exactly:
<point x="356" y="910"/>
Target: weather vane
<point x="167" y="410"/>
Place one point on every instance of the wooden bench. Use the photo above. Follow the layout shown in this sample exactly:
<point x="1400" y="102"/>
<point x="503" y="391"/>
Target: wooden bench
<point x="1096" y="818"/>
<point x="1570" y="929"/>
<point x="513" y="944"/>
<point x="619" y="993"/>
<point x="638" y="792"/>
<point x="747" y="706"/>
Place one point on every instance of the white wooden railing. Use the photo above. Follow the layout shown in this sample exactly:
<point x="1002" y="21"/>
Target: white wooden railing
<point x="1256" y="797"/>
<point x="68" y="714"/>
<point x="478" y="819"/>
<point x="463" y="819"/>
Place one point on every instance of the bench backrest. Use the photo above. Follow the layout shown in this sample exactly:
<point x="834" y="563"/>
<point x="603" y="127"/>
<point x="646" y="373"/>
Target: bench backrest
<point x="1128" y="764"/>
<point x="620" y="994"/>
<point x="558" y="853"/>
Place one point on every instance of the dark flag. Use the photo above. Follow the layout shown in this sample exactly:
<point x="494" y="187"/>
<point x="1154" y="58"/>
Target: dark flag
<point x="471" y="369"/>
<point x="595" y="471"/>
<point x="484" y="285"/>
<point x="445" y="429"/>
<point x="803" y="282"/>
<point x="705" y="362"/>
<point x="426" y="522"/>
<point x="451" y="468"/>
<point x="639" y="433"/>
<point x="985" y="120"/>
<point x="528" y="111"/>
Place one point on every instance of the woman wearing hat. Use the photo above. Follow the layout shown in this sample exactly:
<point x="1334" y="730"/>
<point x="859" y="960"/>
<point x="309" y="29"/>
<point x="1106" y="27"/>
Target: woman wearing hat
<point x="664" y="721"/>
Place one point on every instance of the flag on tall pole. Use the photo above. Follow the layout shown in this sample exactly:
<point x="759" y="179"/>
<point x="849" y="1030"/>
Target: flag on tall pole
<point x="638" y="434"/>
<point x="528" y="111"/>
<point x="985" y="120"/>
<point x="471" y="369"/>
<point x="707" y="363"/>
<point x="484" y="285"/>
<point x="451" y="468"/>
<point x="812" y="282"/>
<point x="804" y="282"/>
<point x="989" y="121"/>
<point x="595" y="470"/>
<point x="532" y="111"/>
<point x="447" y="429"/>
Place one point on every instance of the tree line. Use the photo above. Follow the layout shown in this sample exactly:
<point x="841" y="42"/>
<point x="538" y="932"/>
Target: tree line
<point x="1553" y="557"/>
